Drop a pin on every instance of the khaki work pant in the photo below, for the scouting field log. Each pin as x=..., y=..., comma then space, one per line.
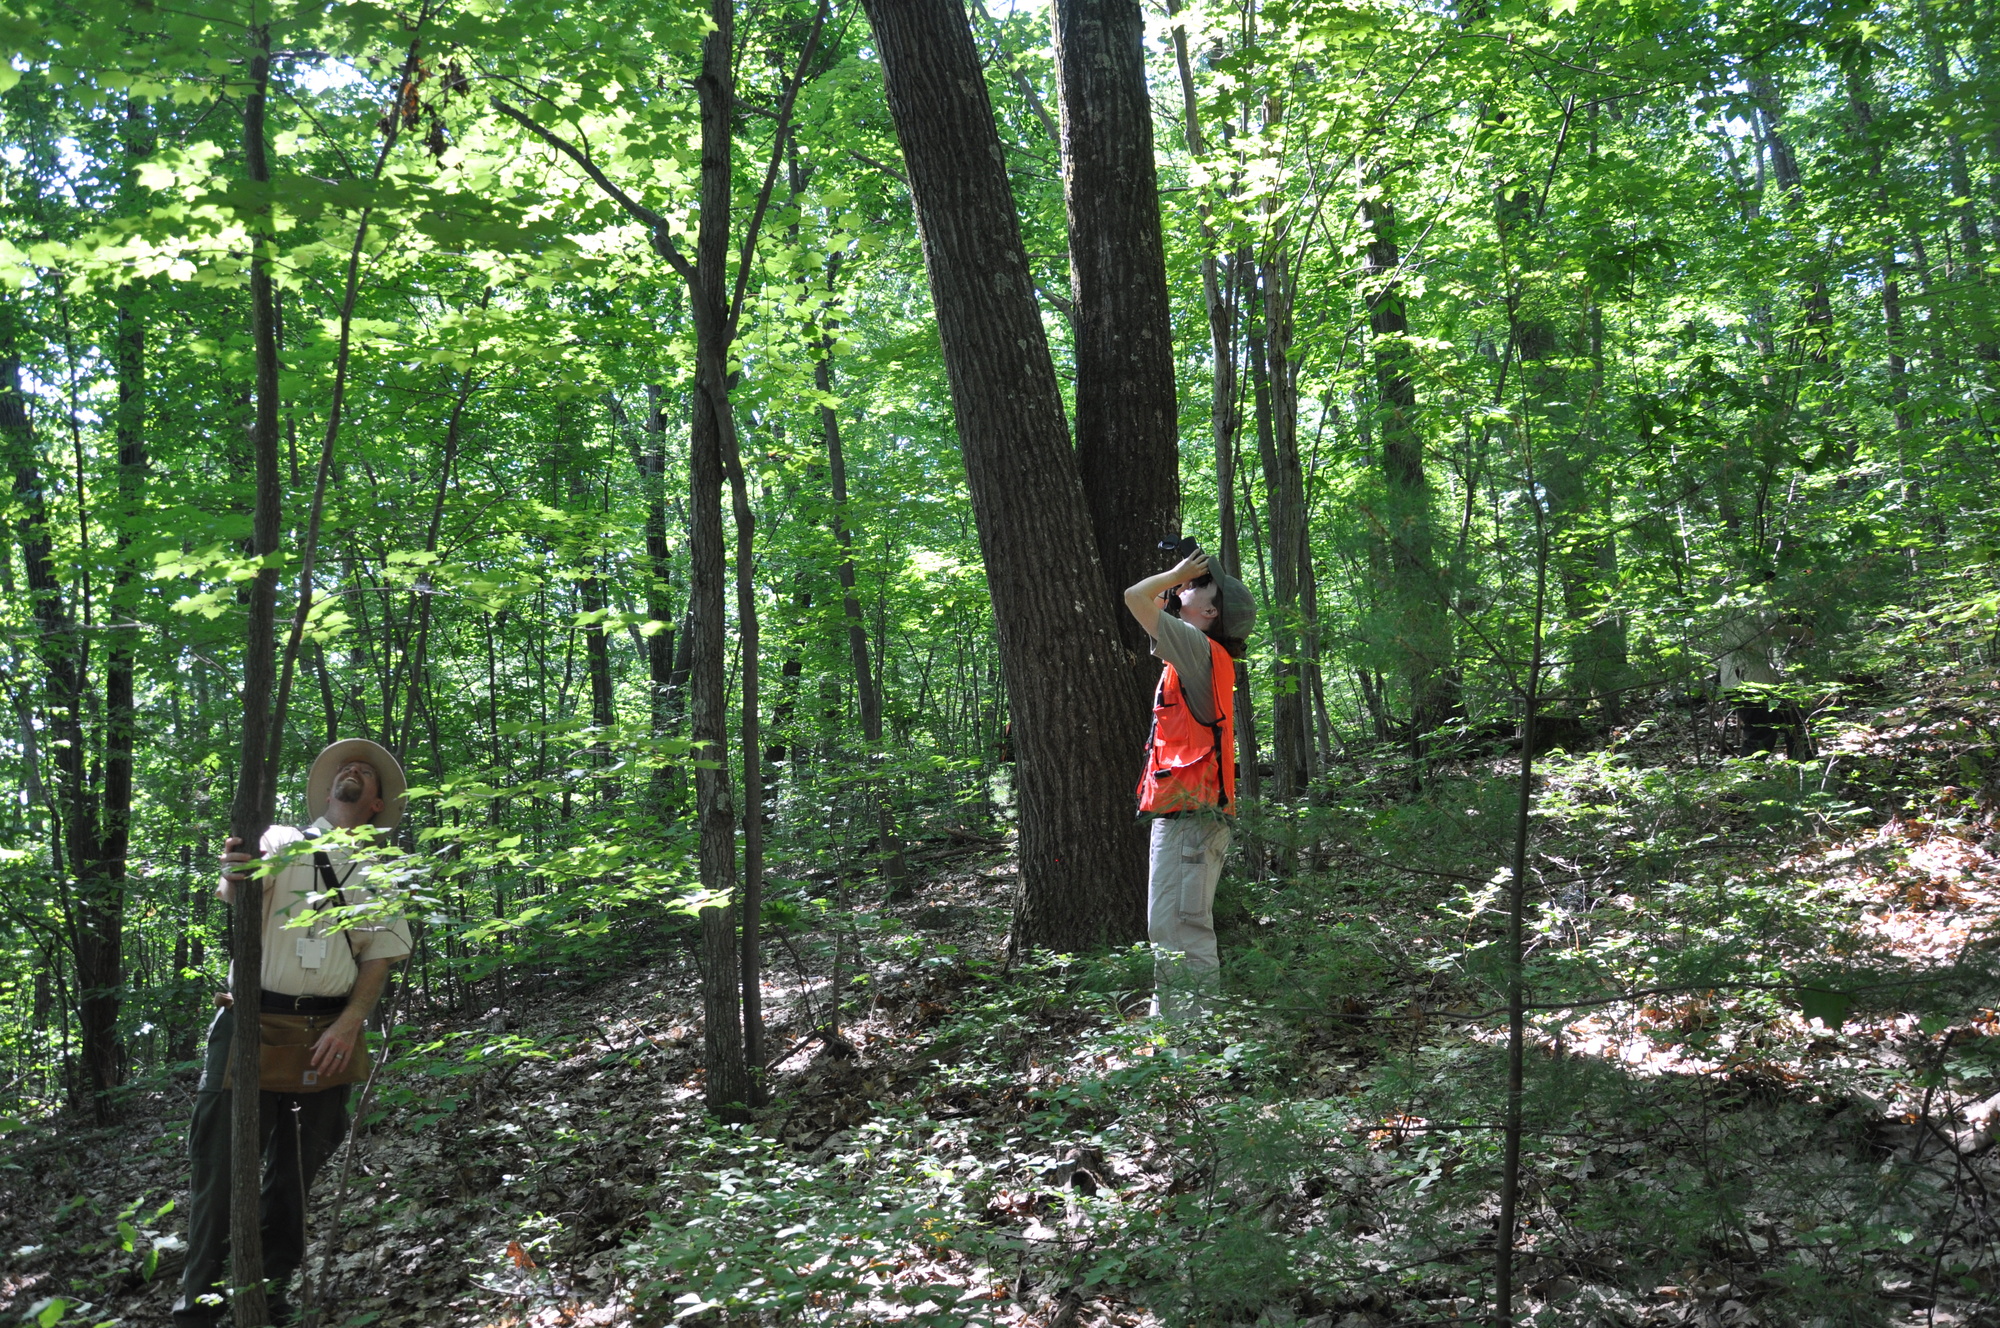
x=1180, y=911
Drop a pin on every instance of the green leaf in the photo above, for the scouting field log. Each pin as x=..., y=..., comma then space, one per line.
x=1829, y=1007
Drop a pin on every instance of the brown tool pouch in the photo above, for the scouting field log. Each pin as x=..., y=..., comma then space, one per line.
x=286, y=1056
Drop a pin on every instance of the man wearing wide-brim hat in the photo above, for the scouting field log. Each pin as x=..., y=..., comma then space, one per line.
x=330, y=936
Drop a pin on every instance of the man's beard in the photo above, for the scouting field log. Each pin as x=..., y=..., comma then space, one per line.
x=348, y=789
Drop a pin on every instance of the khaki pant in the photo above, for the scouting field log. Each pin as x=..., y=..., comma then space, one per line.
x=1180, y=911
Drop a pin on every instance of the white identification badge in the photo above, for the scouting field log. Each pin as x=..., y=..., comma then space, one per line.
x=312, y=951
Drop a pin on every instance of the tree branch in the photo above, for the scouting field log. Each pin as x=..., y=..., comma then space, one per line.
x=656, y=225
x=785, y=104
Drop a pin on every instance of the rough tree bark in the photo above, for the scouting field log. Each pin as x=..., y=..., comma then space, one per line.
x=120, y=705
x=1127, y=426
x=750, y=738
x=1068, y=690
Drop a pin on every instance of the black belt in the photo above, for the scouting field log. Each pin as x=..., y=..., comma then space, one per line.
x=277, y=1002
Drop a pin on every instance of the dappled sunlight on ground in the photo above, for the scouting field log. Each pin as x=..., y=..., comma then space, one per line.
x=1921, y=891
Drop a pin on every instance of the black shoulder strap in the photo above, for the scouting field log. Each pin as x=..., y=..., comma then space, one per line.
x=335, y=886
x=1221, y=663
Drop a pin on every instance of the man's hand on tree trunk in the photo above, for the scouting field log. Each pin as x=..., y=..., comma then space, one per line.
x=232, y=860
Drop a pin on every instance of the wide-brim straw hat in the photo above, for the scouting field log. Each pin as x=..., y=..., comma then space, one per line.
x=388, y=772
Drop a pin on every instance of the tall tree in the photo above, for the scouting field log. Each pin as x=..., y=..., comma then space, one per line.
x=1068, y=691
x=1127, y=416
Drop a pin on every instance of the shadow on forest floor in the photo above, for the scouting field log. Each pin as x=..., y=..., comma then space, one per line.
x=1795, y=1126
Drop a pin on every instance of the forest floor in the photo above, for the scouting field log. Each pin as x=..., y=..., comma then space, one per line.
x=1764, y=1088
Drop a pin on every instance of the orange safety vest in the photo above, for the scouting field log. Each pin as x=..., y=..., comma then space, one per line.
x=1191, y=766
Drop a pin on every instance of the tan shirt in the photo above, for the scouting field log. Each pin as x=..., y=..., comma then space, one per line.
x=312, y=959
x=1185, y=646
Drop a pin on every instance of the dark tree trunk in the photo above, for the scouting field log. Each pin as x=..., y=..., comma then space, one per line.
x=250, y=809
x=752, y=745
x=729, y=1087
x=1068, y=688
x=596, y=640
x=120, y=710
x=1127, y=418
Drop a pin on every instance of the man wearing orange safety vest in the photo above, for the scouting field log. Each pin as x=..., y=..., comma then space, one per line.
x=1198, y=618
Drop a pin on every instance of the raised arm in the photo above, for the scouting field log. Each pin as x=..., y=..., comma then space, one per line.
x=1146, y=598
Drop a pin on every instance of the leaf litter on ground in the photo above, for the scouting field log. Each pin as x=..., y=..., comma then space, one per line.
x=1020, y=1146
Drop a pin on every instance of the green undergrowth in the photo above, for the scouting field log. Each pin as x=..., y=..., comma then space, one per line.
x=1741, y=1097
x=1242, y=1165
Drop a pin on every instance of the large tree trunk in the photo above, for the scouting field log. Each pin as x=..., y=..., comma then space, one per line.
x=1127, y=427
x=1068, y=688
x=250, y=809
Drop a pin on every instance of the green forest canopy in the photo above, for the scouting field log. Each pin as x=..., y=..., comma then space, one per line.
x=1692, y=301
